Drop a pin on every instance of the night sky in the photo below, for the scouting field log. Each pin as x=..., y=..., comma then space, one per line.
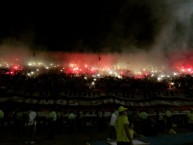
x=90, y=25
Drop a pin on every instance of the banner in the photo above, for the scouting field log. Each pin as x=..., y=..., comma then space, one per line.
x=103, y=100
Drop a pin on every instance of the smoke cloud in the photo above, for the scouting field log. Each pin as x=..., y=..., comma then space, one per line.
x=148, y=33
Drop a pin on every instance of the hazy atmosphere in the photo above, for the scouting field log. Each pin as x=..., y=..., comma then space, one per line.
x=146, y=33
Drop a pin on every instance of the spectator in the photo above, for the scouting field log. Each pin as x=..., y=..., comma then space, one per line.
x=18, y=122
x=52, y=117
x=190, y=119
x=112, y=131
x=172, y=130
x=100, y=120
x=31, y=127
x=71, y=121
x=132, y=132
x=1, y=120
x=122, y=128
x=79, y=120
x=144, y=122
x=168, y=118
x=1, y=117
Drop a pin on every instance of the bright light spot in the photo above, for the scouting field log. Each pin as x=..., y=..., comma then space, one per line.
x=110, y=72
x=172, y=83
x=183, y=70
x=76, y=68
x=189, y=69
x=40, y=63
x=159, y=79
x=11, y=72
x=93, y=83
x=72, y=65
x=175, y=74
x=30, y=64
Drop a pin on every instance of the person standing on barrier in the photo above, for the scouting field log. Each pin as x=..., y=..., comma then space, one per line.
x=100, y=120
x=52, y=117
x=122, y=128
x=31, y=127
x=1, y=117
x=190, y=119
x=168, y=118
x=112, y=131
x=18, y=122
x=71, y=121
x=1, y=120
x=145, y=124
x=79, y=120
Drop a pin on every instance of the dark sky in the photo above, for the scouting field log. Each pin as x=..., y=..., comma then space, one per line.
x=83, y=25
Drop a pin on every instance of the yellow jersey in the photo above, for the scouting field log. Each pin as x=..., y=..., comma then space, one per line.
x=120, y=128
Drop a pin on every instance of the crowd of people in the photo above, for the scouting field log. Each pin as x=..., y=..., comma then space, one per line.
x=29, y=122
x=54, y=84
x=122, y=125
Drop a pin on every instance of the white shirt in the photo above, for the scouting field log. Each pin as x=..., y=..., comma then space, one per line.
x=113, y=119
x=32, y=117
